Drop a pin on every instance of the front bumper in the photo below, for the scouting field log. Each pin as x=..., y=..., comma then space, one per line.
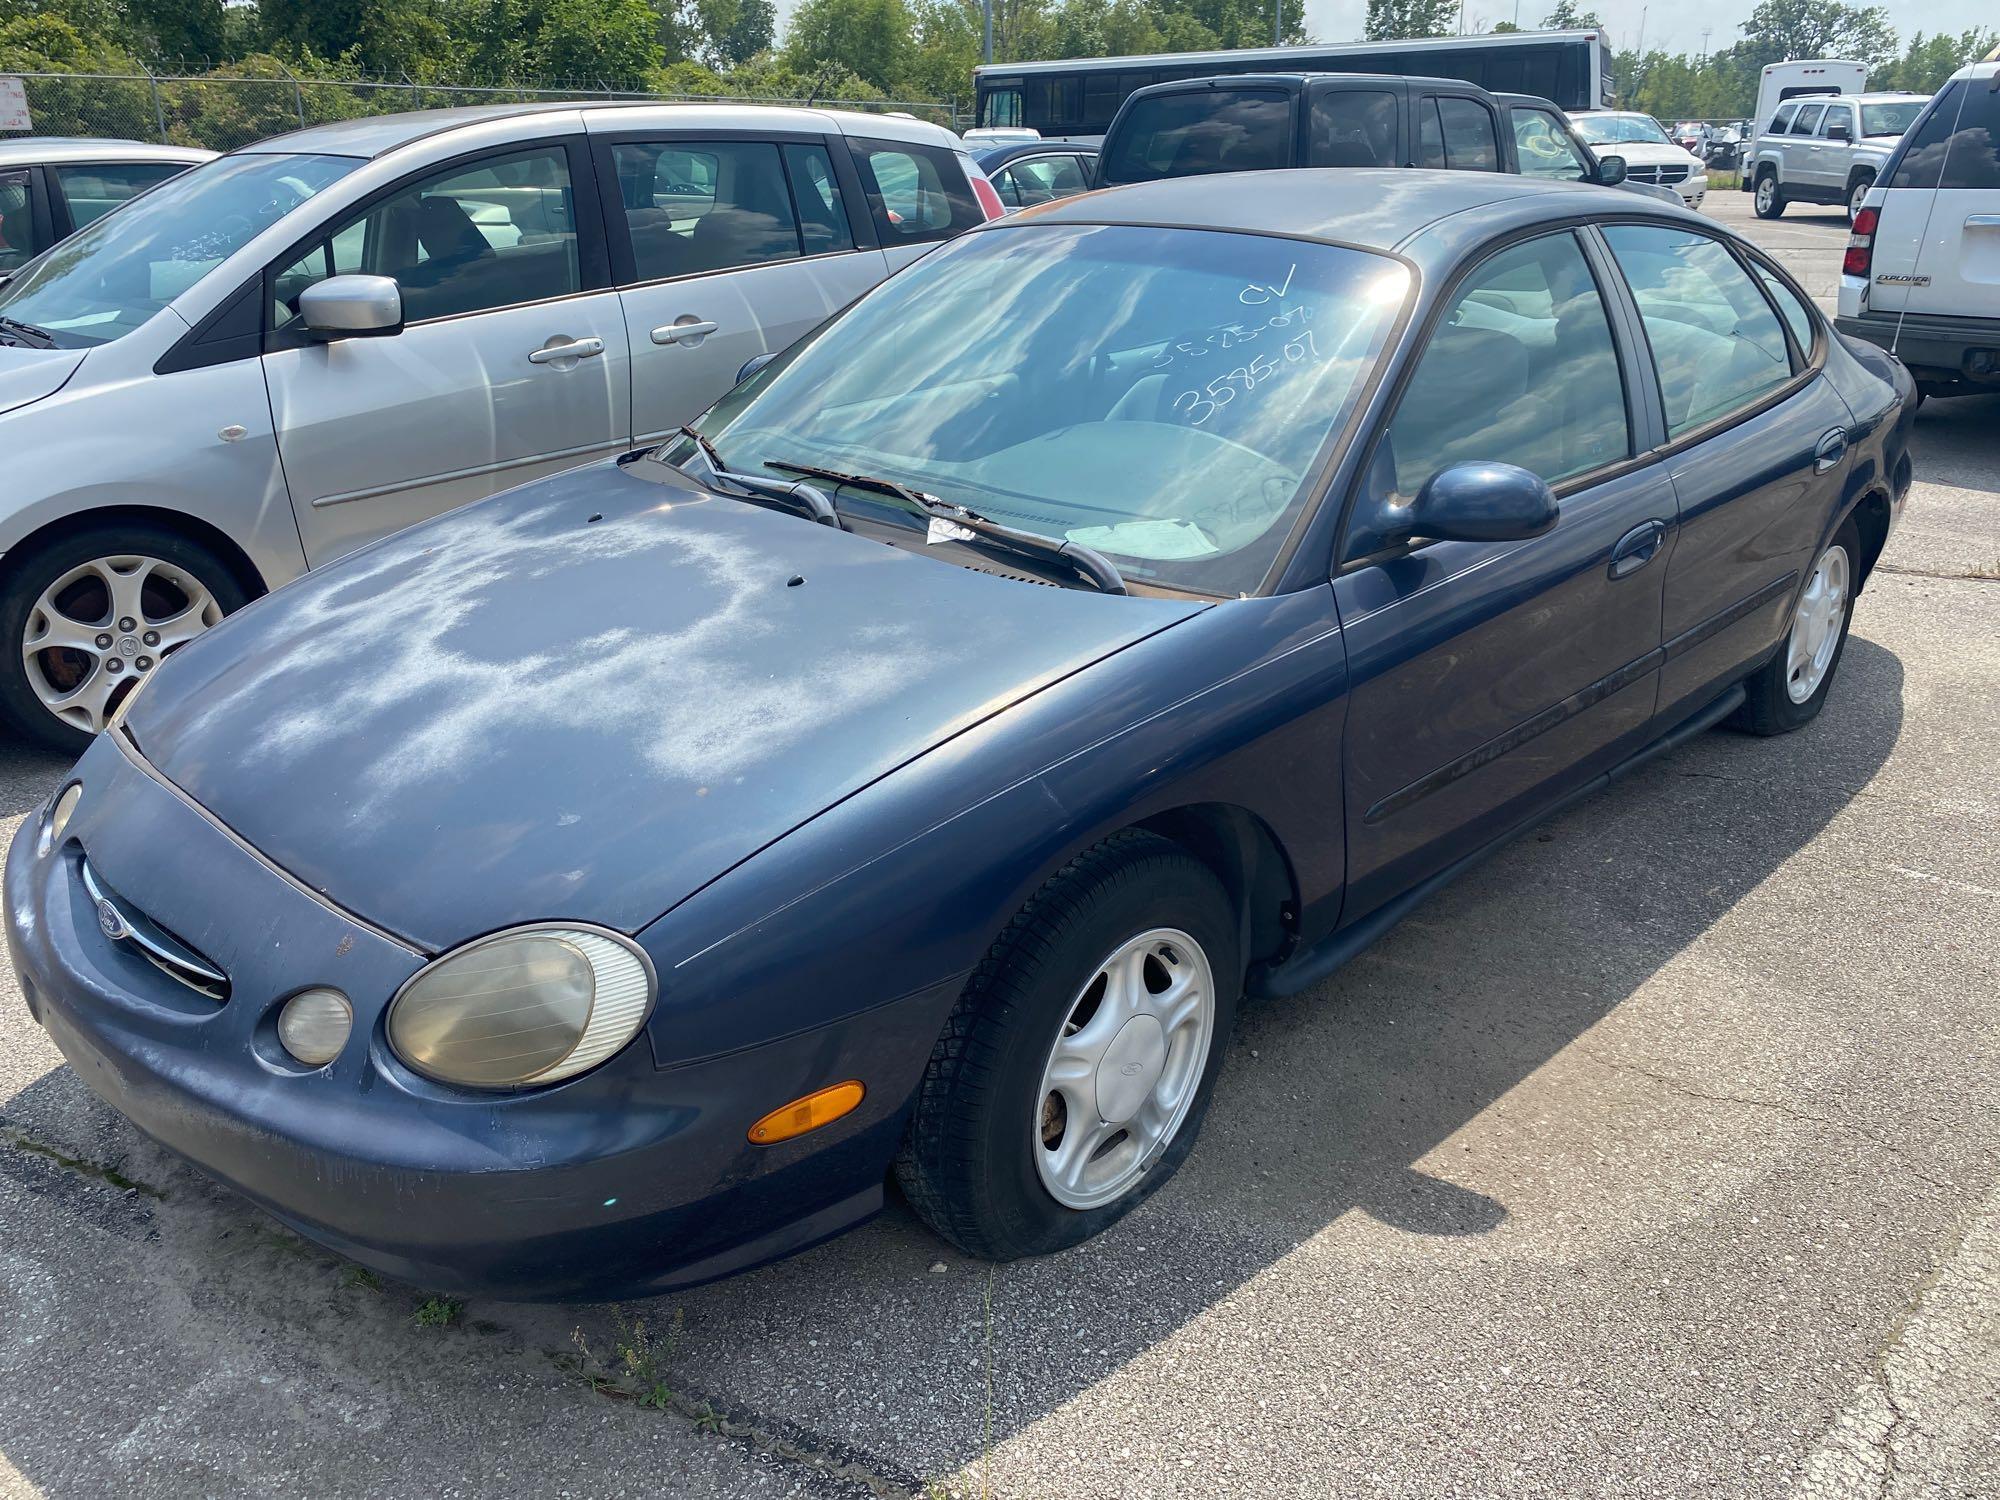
x=1940, y=349
x=630, y=1179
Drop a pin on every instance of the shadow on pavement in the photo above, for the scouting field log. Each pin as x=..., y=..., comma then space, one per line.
x=884, y=1350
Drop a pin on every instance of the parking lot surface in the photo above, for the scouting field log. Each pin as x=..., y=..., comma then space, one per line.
x=1657, y=1156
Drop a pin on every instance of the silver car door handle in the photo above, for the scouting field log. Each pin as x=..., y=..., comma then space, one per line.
x=673, y=333
x=1982, y=221
x=574, y=349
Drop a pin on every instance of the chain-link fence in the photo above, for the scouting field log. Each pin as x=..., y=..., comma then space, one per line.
x=224, y=113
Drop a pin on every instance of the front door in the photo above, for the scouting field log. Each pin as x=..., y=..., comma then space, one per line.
x=512, y=365
x=1490, y=677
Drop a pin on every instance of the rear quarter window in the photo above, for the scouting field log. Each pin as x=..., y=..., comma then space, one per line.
x=915, y=192
x=1200, y=131
x=1958, y=143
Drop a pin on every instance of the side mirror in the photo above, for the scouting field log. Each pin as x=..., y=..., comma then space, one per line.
x=1610, y=170
x=352, y=307
x=1839, y=131
x=1482, y=503
x=752, y=365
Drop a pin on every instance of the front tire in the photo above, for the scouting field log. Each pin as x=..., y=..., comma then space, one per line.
x=1788, y=691
x=1072, y=1076
x=86, y=615
x=1770, y=200
x=1857, y=191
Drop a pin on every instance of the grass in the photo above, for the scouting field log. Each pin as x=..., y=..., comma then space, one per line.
x=438, y=1312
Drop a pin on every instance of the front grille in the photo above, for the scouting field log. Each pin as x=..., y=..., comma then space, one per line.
x=128, y=928
x=1658, y=175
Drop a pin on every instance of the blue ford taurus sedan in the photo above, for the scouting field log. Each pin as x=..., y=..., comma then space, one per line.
x=1135, y=605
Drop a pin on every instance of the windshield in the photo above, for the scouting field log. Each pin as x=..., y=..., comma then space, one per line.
x=1160, y=395
x=1891, y=119
x=1606, y=130
x=101, y=284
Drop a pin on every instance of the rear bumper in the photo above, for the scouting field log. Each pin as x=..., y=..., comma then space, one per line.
x=1938, y=348
x=631, y=1179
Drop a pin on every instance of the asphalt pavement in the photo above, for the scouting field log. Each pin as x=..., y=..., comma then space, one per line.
x=1658, y=1156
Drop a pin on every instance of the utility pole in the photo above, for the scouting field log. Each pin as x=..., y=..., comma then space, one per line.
x=1641, y=48
x=1277, y=23
x=1704, y=42
x=986, y=49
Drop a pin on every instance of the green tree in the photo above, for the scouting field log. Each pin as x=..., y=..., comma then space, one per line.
x=184, y=32
x=731, y=32
x=868, y=38
x=1569, y=16
x=1929, y=60
x=1393, y=20
x=1779, y=30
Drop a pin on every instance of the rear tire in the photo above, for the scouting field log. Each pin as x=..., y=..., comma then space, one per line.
x=73, y=593
x=1770, y=200
x=1115, y=945
x=1789, y=690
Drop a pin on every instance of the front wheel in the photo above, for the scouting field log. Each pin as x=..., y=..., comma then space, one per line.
x=1770, y=200
x=1788, y=692
x=90, y=615
x=1856, y=194
x=1072, y=1076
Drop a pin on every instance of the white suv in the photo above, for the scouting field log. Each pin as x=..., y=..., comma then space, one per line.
x=1922, y=273
x=315, y=341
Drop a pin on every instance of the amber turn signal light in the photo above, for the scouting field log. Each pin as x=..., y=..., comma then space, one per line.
x=816, y=1109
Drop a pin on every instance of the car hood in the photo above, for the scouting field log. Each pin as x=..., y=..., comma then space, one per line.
x=27, y=375
x=587, y=698
x=1648, y=154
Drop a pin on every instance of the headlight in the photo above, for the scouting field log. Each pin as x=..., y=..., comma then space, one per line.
x=525, y=1007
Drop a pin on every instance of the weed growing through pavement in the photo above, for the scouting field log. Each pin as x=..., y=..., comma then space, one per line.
x=438, y=1312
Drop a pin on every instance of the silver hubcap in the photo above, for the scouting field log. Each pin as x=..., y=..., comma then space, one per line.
x=1816, y=625
x=1124, y=1070
x=1766, y=191
x=104, y=626
x=1854, y=202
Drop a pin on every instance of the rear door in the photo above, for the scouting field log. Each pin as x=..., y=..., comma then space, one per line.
x=1457, y=132
x=1756, y=439
x=512, y=363
x=917, y=195
x=1937, y=247
x=1800, y=145
x=1491, y=677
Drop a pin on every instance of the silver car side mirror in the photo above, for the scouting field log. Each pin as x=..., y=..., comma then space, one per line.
x=352, y=307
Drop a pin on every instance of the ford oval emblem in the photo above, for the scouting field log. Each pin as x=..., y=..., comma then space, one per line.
x=1131, y=1070
x=112, y=921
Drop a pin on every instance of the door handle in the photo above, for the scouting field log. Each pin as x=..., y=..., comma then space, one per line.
x=689, y=330
x=1831, y=450
x=554, y=353
x=1636, y=548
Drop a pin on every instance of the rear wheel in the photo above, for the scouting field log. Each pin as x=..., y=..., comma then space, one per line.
x=1072, y=1077
x=88, y=616
x=1770, y=199
x=1790, y=689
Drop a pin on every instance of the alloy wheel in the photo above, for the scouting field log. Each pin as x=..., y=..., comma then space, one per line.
x=1816, y=625
x=1854, y=198
x=1125, y=1068
x=1767, y=190
x=103, y=626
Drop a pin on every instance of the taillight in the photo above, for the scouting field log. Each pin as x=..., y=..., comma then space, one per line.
x=989, y=200
x=1861, y=244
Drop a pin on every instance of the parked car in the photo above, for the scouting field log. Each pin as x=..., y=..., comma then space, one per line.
x=1128, y=607
x=1827, y=150
x=1650, y=157
x=1025, y=173
x=1921, y=276
x=52, y=186
x=1691, y=136
x=1546, y=144
x=1723, y=150
x=309, y=344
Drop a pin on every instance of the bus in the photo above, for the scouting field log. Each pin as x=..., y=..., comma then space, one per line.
x=1078, y=96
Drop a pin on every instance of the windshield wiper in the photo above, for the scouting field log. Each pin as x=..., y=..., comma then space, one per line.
x=1086, y=561
x=800, y=499
x=28, y=333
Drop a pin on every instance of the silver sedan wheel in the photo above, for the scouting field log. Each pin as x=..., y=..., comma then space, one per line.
x=103, y=626
x=1816, y=625
x=1125, y=1068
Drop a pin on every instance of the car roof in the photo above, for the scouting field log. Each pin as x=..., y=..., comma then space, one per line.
x=376, y=135
x=1373, y=208
x=47, y=150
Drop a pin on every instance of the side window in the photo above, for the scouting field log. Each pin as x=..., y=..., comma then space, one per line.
x=1041, y=179
x=823, y=226
x=1469, y=142
x=696, y=206
x=17, y=222
x=1795, y=312
x=1715, y=341
x=1354, y=128
x=1522, y=371
x=1545, y=148
x=1837, y=115
x=92, y=192
x=1782, y=120
x=919, y=192
x=1958, y=143
x=1188, y=134
x=471, y=239
x=1807, y=119
x=1430, y=134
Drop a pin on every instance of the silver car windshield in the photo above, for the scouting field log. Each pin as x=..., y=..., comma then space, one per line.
x=1161, y=395
x=112, y=277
